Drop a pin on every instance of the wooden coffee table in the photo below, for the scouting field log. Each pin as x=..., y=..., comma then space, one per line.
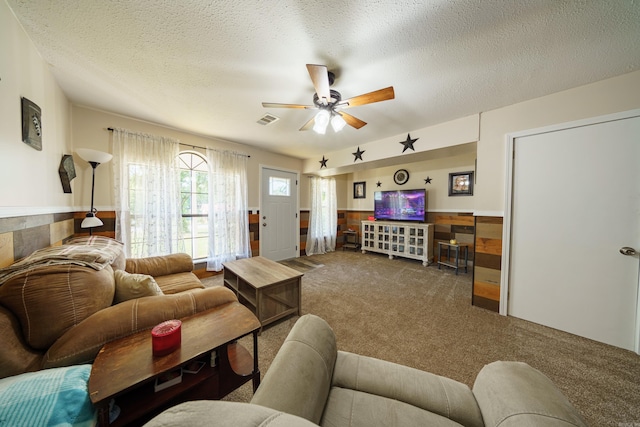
x=271, y=290
x=125, y=369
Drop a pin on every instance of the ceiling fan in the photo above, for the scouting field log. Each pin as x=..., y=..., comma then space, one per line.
x=331, y=104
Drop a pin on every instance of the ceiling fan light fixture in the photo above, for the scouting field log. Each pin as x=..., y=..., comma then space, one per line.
x=321, y=121
x=337, y=122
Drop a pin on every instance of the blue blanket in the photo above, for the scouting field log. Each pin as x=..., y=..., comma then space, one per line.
x=52, y=397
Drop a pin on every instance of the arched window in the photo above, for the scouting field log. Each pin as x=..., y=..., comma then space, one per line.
x=194, y=193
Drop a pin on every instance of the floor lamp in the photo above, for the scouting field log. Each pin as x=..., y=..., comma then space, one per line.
x=94, y=158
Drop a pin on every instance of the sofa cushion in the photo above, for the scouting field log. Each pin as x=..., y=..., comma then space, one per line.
x=15, y=356
x=53, y=397
x=216, y=413
x=299, y=378
x=49, y=300
x=397, y=383
x=160, y=265
x=173, y=273
x=515, y=394
x=82, y=343
x=132, y=285
x=346, y=407
x=178, y=282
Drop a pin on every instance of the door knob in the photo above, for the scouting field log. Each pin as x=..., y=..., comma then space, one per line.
x=626, y=250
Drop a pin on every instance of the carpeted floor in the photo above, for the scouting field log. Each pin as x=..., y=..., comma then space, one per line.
x=422, y=317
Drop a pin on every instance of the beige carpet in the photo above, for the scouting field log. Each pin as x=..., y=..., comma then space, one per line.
x=400, y=311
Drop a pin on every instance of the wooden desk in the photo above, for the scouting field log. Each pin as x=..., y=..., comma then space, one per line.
x=271, y=290
x=126, y=369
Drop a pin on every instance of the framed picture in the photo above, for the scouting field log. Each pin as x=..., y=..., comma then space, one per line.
x=31, y=124
x=359, y=190
x=461, y=183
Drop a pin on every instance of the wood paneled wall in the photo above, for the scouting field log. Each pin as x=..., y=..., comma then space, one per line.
x=459, y=226
x=487, y=267
x=20, y=236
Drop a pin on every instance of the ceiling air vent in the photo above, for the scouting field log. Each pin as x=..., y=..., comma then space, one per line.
x=267, y=119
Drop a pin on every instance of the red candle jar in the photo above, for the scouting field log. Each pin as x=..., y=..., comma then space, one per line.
x=166, y=337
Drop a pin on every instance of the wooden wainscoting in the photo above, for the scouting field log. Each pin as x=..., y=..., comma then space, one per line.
x=459, y=226
x=487, y=267
x=21, y=236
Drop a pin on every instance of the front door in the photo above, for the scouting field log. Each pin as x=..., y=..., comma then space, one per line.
x=575, y=205
x=278, y=214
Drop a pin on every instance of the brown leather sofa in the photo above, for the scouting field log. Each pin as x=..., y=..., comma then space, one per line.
x=60, y=312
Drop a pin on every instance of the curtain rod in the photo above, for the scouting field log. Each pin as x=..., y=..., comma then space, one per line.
x=193, y=146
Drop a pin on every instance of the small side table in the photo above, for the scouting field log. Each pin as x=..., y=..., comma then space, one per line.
x=457, y=248
x=350, y=240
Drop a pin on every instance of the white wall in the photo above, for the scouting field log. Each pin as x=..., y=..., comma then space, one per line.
x=489, y=129
x=605, y=97
x=30, y=183
x=438, y=170
x=90, y=131
x=389, y=150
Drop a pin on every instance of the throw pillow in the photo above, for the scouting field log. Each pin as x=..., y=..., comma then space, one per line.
x=130, y=286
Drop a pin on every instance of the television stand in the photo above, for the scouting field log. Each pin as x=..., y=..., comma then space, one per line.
x=403, y=239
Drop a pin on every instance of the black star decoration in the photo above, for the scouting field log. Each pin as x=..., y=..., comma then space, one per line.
x=427, y=180
x=378, y=184
x=323, y=162
x=408, y=143
x=358, y=154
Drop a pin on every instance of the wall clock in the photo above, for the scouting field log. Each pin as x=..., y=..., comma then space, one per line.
x=401, y=176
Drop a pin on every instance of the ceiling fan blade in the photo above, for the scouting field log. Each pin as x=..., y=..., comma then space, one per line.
x=369, y=98
x=320, y=78
x=275, y=105
x=309, y=124
x=352, y=121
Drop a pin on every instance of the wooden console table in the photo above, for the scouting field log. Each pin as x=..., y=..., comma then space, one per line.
x=125, y=369
x=271, y=290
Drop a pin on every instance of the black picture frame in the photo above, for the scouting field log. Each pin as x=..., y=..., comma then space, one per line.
x=360, y=190
x=461, y=183
x=31, y=124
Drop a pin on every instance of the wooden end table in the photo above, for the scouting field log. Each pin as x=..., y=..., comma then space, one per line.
x=271, y=290
x=125, y=369
x=457, y=249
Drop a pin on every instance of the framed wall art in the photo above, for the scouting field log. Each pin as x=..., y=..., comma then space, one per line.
x=360, y=190
x=67, y=171
x=31, y=124
x=461, y=183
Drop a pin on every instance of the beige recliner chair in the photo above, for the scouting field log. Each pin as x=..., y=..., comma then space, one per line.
x=310, y=382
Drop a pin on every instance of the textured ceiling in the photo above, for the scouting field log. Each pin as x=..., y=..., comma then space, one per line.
x=205, y=66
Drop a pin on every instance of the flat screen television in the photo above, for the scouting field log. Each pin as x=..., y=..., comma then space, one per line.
x=400, y=205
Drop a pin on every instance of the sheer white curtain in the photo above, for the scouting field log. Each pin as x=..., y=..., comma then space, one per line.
x=323, y=218
x=147, y=193
x=228, y=211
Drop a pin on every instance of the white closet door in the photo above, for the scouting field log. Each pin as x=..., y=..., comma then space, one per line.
x=575, y=204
